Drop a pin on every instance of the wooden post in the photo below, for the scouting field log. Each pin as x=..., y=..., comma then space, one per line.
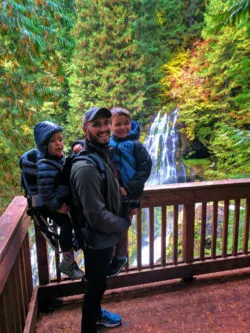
x=175, y=232
x=151, y=236
x=246, y=227
x=42, y=258
x=138, y=236
x=188, y=233
x=163, y=235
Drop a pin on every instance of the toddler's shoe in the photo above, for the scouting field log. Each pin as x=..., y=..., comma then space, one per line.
x=71, y=269
x=116, y=266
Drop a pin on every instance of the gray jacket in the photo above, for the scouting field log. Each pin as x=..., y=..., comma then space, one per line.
x=97, y=204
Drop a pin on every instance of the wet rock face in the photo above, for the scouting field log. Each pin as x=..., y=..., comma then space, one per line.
x=194, y=149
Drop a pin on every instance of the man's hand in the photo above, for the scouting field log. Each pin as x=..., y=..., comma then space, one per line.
x=132, y=212
x=123, y=191
x=64, y=209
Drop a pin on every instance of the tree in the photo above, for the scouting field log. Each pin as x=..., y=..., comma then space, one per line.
x=31, y=77
x=106, y=62
x=231, y=150
x=163, y=27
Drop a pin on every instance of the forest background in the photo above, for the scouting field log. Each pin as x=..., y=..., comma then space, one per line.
x=60, y=57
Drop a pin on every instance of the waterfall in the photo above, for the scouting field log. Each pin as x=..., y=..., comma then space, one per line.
x=163, y=145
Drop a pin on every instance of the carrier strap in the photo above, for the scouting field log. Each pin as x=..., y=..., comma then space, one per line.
x=94, y=159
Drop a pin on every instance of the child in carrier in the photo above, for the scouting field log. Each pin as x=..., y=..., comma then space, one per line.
x=133, y=165
x=53, y=195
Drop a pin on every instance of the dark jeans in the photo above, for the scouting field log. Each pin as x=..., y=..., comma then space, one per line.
x=96, y=267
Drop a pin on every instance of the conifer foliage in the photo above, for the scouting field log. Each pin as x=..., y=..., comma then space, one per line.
x=106, y=66
x=163, y=27
x=31, y=77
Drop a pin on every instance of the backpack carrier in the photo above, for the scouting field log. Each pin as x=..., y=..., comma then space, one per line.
x=28, y=166
x=29, y=184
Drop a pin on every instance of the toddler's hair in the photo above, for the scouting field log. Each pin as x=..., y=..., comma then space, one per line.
x=119, y=111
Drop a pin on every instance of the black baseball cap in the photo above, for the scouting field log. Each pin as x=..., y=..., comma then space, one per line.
x=95, y=112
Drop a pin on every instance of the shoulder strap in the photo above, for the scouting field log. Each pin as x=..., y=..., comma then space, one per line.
x=98, y=162
x=94, y=159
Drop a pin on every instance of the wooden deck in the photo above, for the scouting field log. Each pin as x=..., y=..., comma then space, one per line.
x=215, y=303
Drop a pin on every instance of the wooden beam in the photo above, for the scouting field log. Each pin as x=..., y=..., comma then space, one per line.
x=14, y=225
x=188, y=193
x=188, y=233
x=30, y=322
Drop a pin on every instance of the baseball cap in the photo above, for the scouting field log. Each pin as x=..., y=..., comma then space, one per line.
x=95, y=112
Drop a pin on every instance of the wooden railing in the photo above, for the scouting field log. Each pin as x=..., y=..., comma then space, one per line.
x=15, y=269
x=203, y=216
x=202, y=227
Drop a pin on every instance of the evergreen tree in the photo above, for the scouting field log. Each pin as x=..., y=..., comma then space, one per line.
x=229, y=64
x=30, y=78
x=163, y=27
x=106, y=62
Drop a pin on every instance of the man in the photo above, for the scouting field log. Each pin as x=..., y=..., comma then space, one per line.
x=97, y=214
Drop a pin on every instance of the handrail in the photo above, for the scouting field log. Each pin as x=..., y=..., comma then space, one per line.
x=15, y=273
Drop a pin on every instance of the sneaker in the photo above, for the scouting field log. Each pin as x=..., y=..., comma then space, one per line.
x=116, y=266
x=72, y=270
x=109, y=319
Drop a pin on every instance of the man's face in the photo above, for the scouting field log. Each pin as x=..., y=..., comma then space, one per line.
x=98, y=130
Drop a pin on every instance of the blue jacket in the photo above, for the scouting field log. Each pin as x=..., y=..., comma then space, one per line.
x=132, y=161
x=52, y=193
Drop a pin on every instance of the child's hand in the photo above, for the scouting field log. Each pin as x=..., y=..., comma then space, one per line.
x=63, y=209
x=123, y=191
x=132, y=212
x=77, y=148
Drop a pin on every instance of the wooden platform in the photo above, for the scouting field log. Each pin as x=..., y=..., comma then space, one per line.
x=215, y=303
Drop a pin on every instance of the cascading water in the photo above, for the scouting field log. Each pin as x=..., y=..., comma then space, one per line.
x=163, y=146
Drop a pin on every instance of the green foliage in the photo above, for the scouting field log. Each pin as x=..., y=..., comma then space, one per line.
x=210, y=85
x=106, y=62
x=231, y=149
x=132, y=245
x=162, y=28
x=183, y=85
x=31, y=77
x=230, y=12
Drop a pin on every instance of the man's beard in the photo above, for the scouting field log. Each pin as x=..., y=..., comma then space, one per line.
x=93, y=139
